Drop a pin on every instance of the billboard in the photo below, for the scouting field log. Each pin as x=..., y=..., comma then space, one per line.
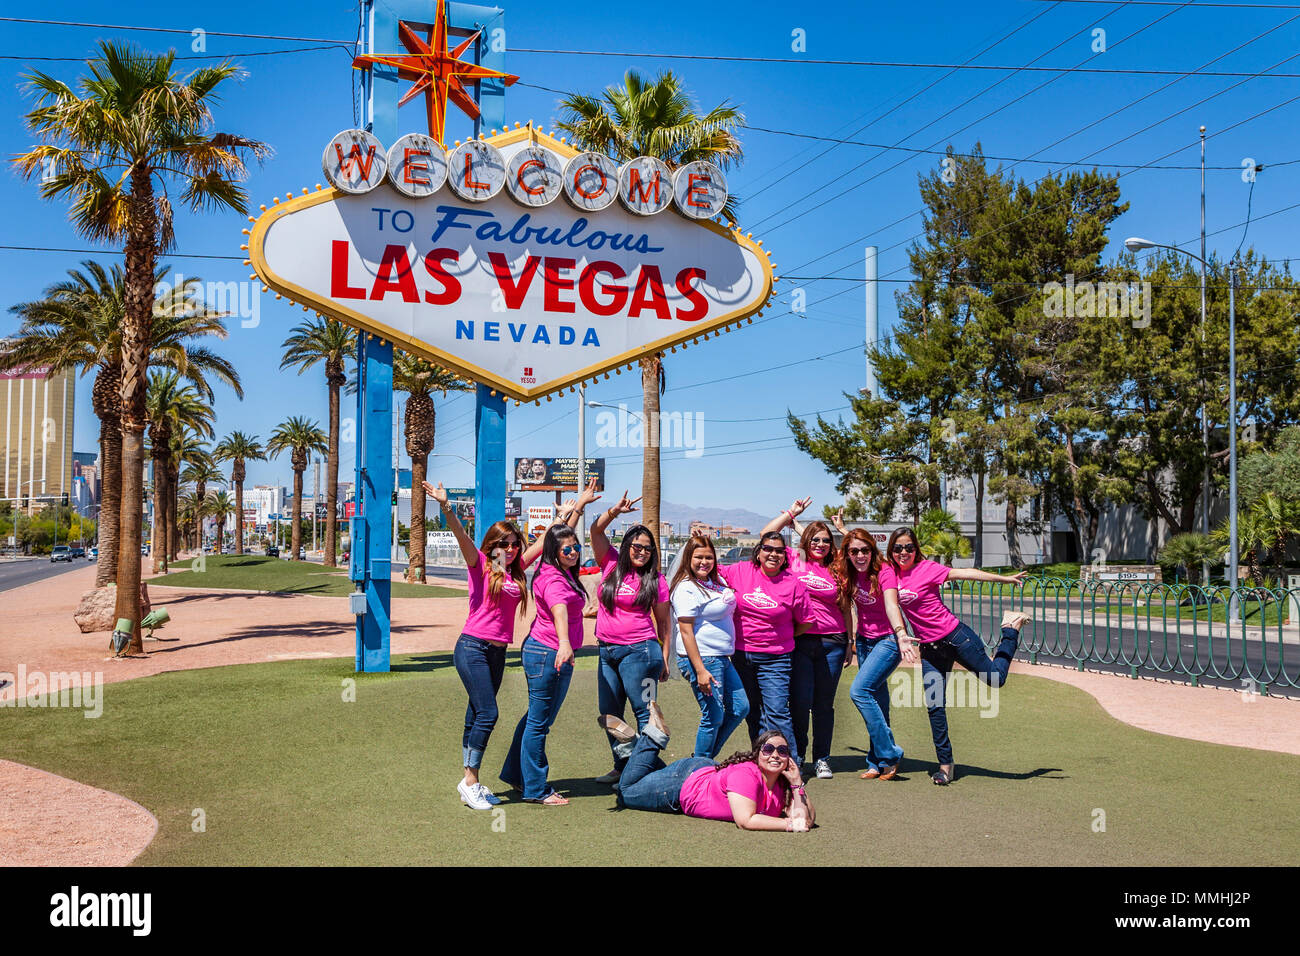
x=490, y=273
x=556, y=474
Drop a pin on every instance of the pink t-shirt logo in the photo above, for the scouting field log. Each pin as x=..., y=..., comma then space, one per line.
x=905, y=596
x=816, y=582
x=628, y=589
x=863, y=597
x=510, y=587
x=756, y=598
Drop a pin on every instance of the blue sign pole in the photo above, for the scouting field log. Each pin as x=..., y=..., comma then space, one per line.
x=372, y=530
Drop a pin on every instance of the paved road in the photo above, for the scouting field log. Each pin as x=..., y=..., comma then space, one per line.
x=14, y=574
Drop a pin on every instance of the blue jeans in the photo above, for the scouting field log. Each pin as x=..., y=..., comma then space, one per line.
x=766, y=679
x=525, y=767
x=646, y=784
x=481, y=665
x=814, y=677
x=877, y=658
x=963, y=646
x=721, y=711
x=629, y=673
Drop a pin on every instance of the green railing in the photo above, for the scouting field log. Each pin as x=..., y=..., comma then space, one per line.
x=1245, y=636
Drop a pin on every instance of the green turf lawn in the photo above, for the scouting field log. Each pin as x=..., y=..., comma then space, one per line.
x=288, y=773
x=260, y=573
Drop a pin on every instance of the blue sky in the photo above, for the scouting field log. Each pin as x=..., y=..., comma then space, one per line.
x=815, y=207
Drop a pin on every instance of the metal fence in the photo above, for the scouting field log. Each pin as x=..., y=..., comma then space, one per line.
x=1244, y=637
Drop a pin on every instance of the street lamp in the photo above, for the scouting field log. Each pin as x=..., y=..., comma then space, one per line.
x=1134, y=244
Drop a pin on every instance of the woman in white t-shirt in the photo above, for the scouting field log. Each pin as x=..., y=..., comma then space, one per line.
x=706, y=638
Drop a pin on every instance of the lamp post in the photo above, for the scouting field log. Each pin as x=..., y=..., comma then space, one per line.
x=1133, y=245
x=582, y=457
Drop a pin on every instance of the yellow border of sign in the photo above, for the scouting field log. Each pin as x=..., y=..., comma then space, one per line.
x=309, y=302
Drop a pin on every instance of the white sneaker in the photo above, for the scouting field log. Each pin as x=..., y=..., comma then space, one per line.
x=471, y=796
x=488, y=795
x=823, y=769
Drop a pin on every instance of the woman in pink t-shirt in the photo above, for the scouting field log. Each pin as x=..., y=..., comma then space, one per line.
x=631, y=624
x=824, y=650
x=760, y=789
x=772, y=608
x=943, y=639
x=497, y=595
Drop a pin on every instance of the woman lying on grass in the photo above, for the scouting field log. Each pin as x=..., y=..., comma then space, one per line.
x=757, y=790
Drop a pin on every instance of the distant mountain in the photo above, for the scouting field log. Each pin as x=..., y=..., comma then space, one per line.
x=681, y=516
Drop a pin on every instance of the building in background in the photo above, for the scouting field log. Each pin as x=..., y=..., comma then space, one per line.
x=261, y=501
x=36, y=427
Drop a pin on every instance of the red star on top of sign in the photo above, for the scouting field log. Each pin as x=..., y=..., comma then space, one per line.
x=438, y=71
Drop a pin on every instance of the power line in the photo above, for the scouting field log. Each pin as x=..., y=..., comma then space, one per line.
x=211, y=33
x=204, y=56
x=889, y=63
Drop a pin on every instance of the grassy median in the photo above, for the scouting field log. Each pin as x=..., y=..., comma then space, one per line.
x=260, y=573
x=287, y=771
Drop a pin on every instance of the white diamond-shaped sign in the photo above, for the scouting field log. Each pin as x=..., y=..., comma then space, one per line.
x=527, y=300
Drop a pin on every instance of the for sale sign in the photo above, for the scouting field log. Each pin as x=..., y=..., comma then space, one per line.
x=515, y=259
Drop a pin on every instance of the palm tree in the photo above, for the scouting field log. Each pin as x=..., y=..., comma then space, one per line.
x=135, y=123
x=218, y=506
x=78, y=322
x=330, y=342
x=201, y=471
x=238, y=448
x=419, y=379
x=300, y=438
x=653, y=119
x=172, y=408
x=191, y=508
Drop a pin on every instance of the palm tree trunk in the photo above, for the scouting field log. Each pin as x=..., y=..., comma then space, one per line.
x=158, y=539
x=136, y=329
x=650, y=454
x=173, y=506
x=128, y=551
x=297, y=513
x=332, y=482
x=110, y=501
x=415, y=546
x=239, y=517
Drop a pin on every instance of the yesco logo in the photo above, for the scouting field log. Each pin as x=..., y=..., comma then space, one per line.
x=816, y=582
x=756, y=598
x=75, y=909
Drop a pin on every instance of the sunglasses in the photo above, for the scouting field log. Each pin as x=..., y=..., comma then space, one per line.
x=859, y=551
x=779, y=749
x=904, y=548
x=640, y=548
x=571, y=549
x=768, y=549
x=821, y=541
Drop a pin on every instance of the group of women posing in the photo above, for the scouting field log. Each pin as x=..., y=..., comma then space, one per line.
x=763, y=640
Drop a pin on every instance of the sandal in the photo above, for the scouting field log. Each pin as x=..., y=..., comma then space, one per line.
x=552, y=799
x=871, y=773
x=888, y=773
x=940, y=779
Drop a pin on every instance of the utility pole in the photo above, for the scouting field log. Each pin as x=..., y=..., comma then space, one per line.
x=582, y=457
x=1205, y=421
x=315, y=497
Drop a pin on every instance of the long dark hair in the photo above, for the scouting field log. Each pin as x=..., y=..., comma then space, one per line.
x=846, y=574
x=757, y=556
x=751, y=756
x=889, y=548
x=556, y=535
x=647, y=595
x=805, y=542
x=491, y=542
x=684, y=572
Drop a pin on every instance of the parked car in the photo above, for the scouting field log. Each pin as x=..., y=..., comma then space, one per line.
x=94, y=554
x=730, y=556
x=589, y=567
x=61, y=552
x=272, y=551
x=78, y=552
x=302, y=553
